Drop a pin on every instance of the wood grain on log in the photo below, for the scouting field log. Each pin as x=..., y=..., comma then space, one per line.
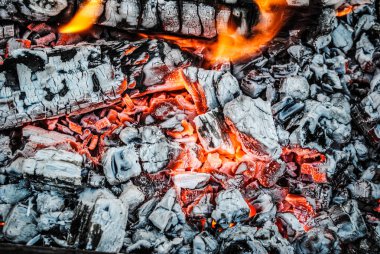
x=44, y=83
x=200, y=18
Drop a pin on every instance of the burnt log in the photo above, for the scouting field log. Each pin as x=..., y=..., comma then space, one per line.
x=44, y=83
x=204, y=18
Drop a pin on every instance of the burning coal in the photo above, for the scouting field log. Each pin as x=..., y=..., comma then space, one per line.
x=190, y=126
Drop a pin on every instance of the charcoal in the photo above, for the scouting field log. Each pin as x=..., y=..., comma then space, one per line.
x=129, y=134
x=265, y=209
x=364, y=190
x=38, y=137
x=241, y=239
x=21, y=224
x=4, y=211
x=254, y=83
x=99, y=221
x=252, y=119
x=34, y=10
x=203, y=208
x=272, y=240
x=296, y=87
x=79, y=78
x=191, y=180
x=332, y=120
x=60, y=221
x=6, y=152
x=51, y=168
x=212, y=132
x=144, y=211
x=293, y=228
x=49, y=202
x=155, y=151
x=364, y=53
x=14, y=193
x=217, y=87
x=132, y=196
x=318, y=240
x=121, y=164
x=167, y=213
x=345, y=219
x=230, y=208
x=106, y=228
x=204, y=243
x=342, y=37
x=96, y=180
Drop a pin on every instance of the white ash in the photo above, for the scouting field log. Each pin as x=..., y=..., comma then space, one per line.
x=60, y=221
x=121, y=164
x=14, y=193
x=218, y=87
x=168, y=213
x=230, y=208
x=203, y=208
x=321, y=240
x=205, y=243
x=50, y=202
x=295, y=87
x=54, y=168
x=191, y=180
x=106, y=229
x=266, y=210
x=132, y=196
x=253, y=120
x=346, y=220
x=20, y=225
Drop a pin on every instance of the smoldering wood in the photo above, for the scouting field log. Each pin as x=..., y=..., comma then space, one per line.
x=43, y=83
x=189, y=18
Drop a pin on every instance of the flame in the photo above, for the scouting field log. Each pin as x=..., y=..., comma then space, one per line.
x=233, y=46
x=344, y=11
x=230, y=44
x=84, y=18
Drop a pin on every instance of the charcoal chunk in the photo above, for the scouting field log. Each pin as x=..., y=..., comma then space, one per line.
x=212, y=132
x=121, y=164
x=230, y=208
x=21, y=224
x=253, y=122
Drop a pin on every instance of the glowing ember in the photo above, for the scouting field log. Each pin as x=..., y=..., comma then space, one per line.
x=84, y=18
x=2, y=224
x=344, y=11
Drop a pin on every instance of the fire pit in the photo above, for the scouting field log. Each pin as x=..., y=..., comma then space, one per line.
x=192, y=126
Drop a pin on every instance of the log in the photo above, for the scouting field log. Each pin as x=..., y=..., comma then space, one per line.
x=205, y=18
x=43, y=83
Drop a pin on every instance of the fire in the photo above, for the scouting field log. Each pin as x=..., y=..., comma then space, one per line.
x=84, y=18
x=2, y=223
x=344, y=11
x=233, y=46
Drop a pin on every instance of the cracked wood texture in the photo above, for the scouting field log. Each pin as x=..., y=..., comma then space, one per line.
x=199, y=18
x=44, y=83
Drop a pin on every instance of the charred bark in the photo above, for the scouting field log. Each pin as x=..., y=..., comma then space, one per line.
x=43, y=83
x=200, y=18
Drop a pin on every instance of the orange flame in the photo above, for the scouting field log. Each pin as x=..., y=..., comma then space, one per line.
x=233, y=46
x=84, y=18
x=345, y=11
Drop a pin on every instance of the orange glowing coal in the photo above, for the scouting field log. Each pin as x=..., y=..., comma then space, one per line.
x=344, y=11
x=84, y=18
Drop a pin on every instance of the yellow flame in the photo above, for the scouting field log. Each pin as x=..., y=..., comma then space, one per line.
x=233, y=46
x=84, y=18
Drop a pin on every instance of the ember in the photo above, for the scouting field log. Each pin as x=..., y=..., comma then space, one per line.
x=190, y=126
